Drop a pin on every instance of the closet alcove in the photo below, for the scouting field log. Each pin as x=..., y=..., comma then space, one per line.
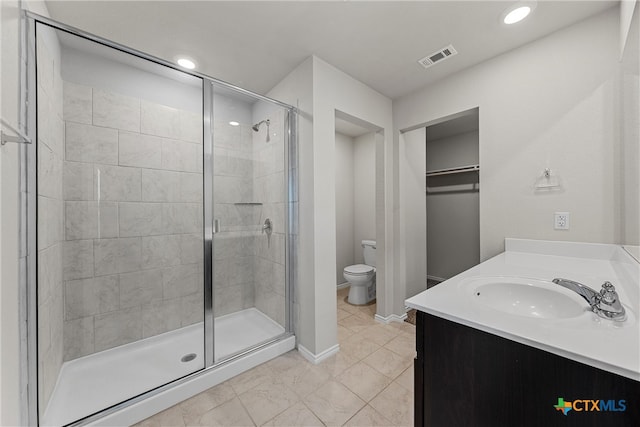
x=439, y=177
x=452, y=196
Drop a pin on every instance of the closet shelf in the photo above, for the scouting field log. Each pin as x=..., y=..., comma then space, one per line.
x=448, y=171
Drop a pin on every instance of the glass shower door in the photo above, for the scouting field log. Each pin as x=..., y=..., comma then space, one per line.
x=137, y=286
x=249, y=208
x=120, y=225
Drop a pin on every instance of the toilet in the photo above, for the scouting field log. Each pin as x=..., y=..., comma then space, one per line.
x=362, y=277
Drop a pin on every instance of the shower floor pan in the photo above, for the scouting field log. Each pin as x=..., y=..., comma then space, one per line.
x=92, y=383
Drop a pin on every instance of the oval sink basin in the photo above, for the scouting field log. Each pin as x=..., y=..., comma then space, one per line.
x=528, y=298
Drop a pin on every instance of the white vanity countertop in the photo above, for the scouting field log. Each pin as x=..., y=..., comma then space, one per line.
x=589, y=339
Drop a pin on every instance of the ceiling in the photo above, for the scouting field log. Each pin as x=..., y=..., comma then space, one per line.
x=351, y=129
x=462, y=123
x=255, y=44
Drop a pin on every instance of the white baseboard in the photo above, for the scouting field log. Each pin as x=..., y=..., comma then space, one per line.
x=391, y=318
x=439, y=279
x=317, y=358
x=343, y=285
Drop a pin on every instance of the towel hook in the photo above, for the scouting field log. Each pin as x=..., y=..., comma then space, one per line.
x=20, y=138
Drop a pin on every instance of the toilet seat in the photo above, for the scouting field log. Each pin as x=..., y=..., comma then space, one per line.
x=359, y=269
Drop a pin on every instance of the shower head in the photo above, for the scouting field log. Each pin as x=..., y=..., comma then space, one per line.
x=256, y=127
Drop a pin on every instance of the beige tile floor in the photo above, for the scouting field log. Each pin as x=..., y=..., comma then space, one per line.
x=368, y=383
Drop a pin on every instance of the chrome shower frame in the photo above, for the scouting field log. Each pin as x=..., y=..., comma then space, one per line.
x=28, y=223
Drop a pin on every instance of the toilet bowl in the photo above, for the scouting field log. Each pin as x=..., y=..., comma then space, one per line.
x=362, y=277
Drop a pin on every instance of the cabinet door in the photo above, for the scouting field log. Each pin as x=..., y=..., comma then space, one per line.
x=472, y=378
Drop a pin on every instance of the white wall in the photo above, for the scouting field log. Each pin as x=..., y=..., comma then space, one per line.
x=344, y=205
x=630, y=152
x=297, y=89
x=355, y=198
x=335, y=90
x=319, y=89
x=10, y=381
x=627, y=11
x=551, y=103
x=9, y=190
x=413, y=225
x=364, y=197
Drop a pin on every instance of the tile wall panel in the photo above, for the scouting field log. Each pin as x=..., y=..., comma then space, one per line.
x=164, y=186
x=116, y=111
x=122, y=184
x=140, y=219
x=140, y=287
x=163, y=251
x=77, y=259
x=78, y=103
x=135, y=149
x=117, y=328
x=160, y=120
x=90, y=220
x=248, y=188
x=94, y=144
x=88, y=297
x=78, y=181
x=234, y=246
x=50, y=221
x=131, y=218
x=269, y=187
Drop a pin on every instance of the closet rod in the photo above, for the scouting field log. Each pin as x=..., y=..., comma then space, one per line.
x=448, y=171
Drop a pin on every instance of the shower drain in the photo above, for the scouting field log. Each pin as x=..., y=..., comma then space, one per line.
x=188, y=357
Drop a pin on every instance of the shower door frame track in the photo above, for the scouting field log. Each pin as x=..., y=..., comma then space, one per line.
x=28, y=222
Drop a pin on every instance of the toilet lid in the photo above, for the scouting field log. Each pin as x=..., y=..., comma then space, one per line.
x=359, y=269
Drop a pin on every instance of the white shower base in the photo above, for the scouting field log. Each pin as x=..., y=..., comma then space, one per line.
x=92, y=383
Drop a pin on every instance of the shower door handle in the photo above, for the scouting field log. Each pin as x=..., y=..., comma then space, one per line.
x=216, y=226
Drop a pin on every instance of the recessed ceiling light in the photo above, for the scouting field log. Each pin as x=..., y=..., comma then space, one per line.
x=186, y=63
x=234, y=123
x=517, y=15
x=518, y=11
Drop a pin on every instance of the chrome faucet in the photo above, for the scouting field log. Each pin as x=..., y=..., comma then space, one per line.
x=605, y=303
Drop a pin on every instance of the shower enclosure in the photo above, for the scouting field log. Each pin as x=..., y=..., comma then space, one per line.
x=163, y=202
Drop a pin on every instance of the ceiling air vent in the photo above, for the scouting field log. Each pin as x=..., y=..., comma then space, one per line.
x=437, y=56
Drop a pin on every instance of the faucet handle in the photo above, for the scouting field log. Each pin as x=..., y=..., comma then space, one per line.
x=267, y=227
x=608, y=292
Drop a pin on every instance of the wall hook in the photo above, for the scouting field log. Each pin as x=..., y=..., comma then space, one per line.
x=547, y=180
x=20, y=138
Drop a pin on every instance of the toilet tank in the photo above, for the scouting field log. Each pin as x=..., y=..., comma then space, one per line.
x=369, y=251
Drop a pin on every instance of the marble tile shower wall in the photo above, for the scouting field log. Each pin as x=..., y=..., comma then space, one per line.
x=269, y=184
x=234, y=246
x=249, y=186
x=132, y=259
x=50, y=154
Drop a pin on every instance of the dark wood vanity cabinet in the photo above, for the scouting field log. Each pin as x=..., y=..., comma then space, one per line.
x=467, y=377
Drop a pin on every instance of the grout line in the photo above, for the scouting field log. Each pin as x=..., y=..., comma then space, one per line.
x=245, y=408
